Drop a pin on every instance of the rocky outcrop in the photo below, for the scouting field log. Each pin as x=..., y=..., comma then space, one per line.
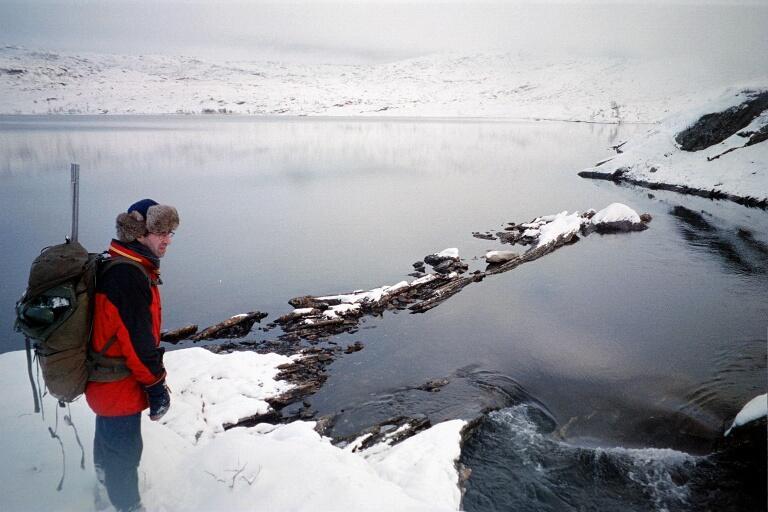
x=714, y=128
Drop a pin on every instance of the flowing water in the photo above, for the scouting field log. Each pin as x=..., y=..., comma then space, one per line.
x=612, y=364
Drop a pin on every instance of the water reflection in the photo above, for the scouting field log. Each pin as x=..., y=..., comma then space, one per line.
x=737, y=248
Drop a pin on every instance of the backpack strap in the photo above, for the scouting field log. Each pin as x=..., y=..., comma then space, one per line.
x=120, y=260
x=103, y=368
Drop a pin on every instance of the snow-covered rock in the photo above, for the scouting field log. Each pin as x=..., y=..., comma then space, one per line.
x=500, y=256
x=561, y=226
x=617, y=217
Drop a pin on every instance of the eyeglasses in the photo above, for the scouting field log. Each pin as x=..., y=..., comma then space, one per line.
x=169, y=234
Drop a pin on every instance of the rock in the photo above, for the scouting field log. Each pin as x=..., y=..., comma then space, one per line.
x=306, y=301
x=434, y=259
x=355, y=347
x=500, y=256
x=483, y=236
x=646, y=217
x=444, y=267
x=433, y=385
x=617, y=218
x=714, y=128
x=759, y=136
x=418, y=265
x=510, y=237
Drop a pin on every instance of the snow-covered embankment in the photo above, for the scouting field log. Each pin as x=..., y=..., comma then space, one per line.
x=191, y=462
x=716, y=150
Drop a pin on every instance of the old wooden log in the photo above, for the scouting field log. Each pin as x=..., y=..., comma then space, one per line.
x=176, y=335
x=234, y=327
x=454, y=286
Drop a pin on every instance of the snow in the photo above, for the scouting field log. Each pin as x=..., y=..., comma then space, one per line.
x=499, y=256
x=341, y=310
x=451, y=252
x=616, y=212
x=656, y=157
x=213, y=390
x=562, y=225
x=480, y=84
x=284, y=467
x=753, y=410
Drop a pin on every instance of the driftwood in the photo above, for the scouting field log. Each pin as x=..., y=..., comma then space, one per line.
x=237, y=326
x=441, y=294
x=179, y=334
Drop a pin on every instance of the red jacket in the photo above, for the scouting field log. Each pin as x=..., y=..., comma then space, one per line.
x=127, y=306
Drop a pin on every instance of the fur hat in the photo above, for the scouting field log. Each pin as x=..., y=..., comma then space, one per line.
x=146, y=216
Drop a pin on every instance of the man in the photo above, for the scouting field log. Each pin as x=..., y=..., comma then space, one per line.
x=125, y=341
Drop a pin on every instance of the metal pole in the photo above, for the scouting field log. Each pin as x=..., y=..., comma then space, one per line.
x=75, y=173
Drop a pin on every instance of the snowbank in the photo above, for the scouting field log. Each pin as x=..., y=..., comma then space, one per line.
x=753, y=410
x=285, y=467
x=657, y=158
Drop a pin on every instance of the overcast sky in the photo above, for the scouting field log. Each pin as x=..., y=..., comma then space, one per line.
x=368, y=31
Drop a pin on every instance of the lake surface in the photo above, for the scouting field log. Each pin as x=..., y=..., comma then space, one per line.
x=620, y=342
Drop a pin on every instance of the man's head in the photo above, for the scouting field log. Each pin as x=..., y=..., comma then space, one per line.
x=150, y=224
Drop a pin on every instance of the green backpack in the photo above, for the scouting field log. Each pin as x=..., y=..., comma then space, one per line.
x=56, y=314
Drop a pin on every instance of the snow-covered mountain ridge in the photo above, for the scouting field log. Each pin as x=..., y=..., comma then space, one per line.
x=490, y=84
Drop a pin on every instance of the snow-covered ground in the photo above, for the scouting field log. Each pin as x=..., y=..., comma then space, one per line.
x=191, y=463
x=657, y=157
x=487, y=84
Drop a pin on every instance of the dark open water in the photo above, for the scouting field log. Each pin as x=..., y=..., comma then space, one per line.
x=614, y=362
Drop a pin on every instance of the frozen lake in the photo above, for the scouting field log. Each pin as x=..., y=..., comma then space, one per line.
x=647, y=339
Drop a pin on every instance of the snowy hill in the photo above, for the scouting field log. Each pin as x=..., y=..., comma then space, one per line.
x=718, y=149
x=490, y=84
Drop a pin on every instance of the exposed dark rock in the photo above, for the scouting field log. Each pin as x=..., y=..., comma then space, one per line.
x=393, y=431
x=618, y=173
x=714, y=128
x=510, y=237
x=434, y=259
x=759, y=136
x=646, y=217
x=418, y=265
x=622, y=226
x=433, y=385
x=355, y=347
x=484, y=236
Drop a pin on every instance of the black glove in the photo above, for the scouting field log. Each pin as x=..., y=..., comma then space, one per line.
x=159, y=400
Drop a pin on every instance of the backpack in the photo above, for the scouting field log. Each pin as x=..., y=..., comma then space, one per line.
x=56, y=314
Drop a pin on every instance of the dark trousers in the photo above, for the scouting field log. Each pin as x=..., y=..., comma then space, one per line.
x=117, y=448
